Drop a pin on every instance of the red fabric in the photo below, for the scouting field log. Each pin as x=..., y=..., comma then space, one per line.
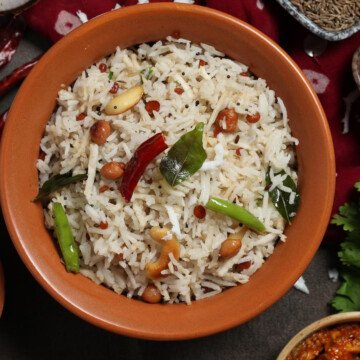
x=330, y=73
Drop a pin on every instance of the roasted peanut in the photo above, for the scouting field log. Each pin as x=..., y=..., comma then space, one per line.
x=231, y=246
x=118, y=257
x=112, y=170
x=151, y=294
x=103, y=188
x=230, y=117
x=157, y=233
x=100, y=131
x=103, y=225
x=124, y=101
x=154, y=269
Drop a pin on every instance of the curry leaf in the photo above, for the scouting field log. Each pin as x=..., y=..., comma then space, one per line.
x=281, y=198
x=185, y=157
x=55, y=183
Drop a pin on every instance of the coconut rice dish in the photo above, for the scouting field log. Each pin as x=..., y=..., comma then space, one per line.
x=167, y=172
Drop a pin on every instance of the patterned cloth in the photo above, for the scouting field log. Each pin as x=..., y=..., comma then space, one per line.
x=330, y=72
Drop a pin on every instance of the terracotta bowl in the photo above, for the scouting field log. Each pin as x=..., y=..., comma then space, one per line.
x=19, y=182
x=329, y=321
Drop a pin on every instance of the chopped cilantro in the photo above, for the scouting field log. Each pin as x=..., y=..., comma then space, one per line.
x=347, y=297
x=147, y=73
x=348, y=217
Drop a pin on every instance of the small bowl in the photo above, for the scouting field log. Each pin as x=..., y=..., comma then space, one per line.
x=316, y=29
x=323, y=323
x=33, y=106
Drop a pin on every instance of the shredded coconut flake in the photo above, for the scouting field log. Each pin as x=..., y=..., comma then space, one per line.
x=333, y=275
x=301, y=286
x=174, y=220
x=218, y=160
x=93, y=159
x=82, y=16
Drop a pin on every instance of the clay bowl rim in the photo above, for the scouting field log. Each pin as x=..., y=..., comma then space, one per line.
x=328, y=321
x=190, y=332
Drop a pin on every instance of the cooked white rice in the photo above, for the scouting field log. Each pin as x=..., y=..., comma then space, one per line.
x=200, y=272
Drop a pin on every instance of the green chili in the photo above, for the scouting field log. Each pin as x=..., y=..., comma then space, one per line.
x=236, y=212
x=65, y=238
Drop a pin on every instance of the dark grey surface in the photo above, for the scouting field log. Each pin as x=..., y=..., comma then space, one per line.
x=34, y=326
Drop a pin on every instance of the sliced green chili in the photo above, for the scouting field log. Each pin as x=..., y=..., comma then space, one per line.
x=65, y=238
x=236, y=212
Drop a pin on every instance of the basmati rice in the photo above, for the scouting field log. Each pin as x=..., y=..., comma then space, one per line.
x=117, y=256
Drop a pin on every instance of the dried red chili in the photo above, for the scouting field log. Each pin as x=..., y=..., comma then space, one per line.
x=103, y=225
x=199, y=211
x=10, y=37
x=252, y=119
x=80, y=117
x=143, y=155
x=176, y=34
x=3, y=117
x=202, y=62
x=41, y=155
x=179, y=90
x=152, y=106
x=102, y=67
x=103, y=188
x=242, y=266
x=17, y=75
x=114, y=89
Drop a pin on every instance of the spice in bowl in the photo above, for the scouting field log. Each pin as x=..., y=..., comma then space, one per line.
x=340, y=342
x=330, y=15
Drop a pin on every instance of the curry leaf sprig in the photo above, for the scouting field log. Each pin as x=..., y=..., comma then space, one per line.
x=55, y=183
x=185, y=157
x=347, y=297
